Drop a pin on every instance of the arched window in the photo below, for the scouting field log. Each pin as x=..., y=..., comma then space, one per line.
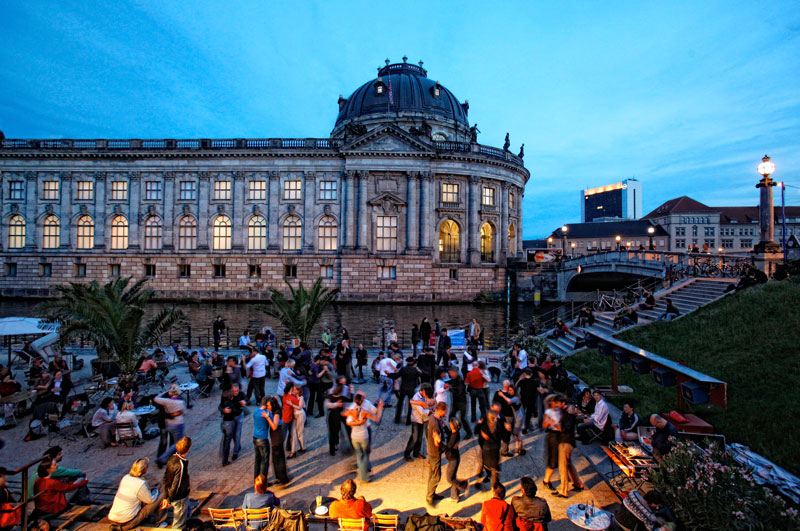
x=85, y=232
x=292, y=233
x=512, y=240
x=449, y=242
x=16, y=232
x=51, y=233
x=487, y=243
x=328, y=235
x=222, y=233
x=187, y=233
x=153, y=230
x=119, y=233
x=257, y=233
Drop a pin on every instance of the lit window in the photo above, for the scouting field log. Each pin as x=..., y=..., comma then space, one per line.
x=449, y=193
x=16, y=190
x=187, y=233
x=326, y=271
x=257, y=233
x=150, y=270
x=119, y=233
x=222, y=233
x=328, y=234
x=255, y=271
x=511, y=200
x=292, y=233
x=291, y=190
x=16, y=232
x=222, y=190
x=387, y=272
x=379, y=87
x=449, y=242
x=386, y=233
x=50, y=190
x=119, y=190
x=219, y=270
x=184, y=270
x=51, y=233
x=327, y=190
x=257, y=190
x=437, y=90
x=188, y=190
x=290, y=271
x=85, y=191
x=487, y=198
x=487, y=243
x=85, y=232
x=80, y=270
x=45, y=270
x=512, y=240
x=152, y=190
x=152, y=233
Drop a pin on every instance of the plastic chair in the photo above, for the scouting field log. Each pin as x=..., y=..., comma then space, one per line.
x=352, y=524
x=126, y=434
x=256, y=518
x=225, y=518
x=385, y=522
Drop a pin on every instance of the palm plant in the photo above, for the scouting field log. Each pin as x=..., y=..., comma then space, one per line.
x=300, y=312
x=112, y=317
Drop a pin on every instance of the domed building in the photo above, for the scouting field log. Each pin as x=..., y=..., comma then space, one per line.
x=399, y=203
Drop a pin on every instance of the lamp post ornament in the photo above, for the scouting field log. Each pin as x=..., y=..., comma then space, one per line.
x=766, y=213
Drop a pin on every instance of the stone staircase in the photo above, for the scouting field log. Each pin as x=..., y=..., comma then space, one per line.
x=688, y=296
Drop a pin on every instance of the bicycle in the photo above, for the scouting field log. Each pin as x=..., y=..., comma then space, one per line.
x=607, y=303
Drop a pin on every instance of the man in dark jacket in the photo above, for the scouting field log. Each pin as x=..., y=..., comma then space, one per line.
x=426, y=363
x=409, y=376
x=458, y=391
x=441, y=352
x=176, y=483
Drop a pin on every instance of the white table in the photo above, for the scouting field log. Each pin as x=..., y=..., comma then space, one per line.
x=598, y=521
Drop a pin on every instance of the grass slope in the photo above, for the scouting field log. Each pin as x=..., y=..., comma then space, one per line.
x=751, y=340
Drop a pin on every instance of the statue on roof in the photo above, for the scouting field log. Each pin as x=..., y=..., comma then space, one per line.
x=507, y=143
x=473, y=133
x=522, y=151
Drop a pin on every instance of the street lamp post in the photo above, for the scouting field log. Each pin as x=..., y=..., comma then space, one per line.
x=618, y=239
x=564, y=240
x=766, y=212
x=572, y=245
x=650, y=231
x=783, y=215
x=549, y=241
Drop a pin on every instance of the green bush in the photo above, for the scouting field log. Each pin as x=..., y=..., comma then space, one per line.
x=709, y=490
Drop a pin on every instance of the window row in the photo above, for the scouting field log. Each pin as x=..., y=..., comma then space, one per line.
x=450, y=242
x=450, y=194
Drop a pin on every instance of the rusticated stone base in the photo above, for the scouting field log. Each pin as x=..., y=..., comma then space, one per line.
x=417, y=277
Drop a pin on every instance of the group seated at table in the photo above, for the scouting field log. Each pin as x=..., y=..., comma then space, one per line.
x=127, y=416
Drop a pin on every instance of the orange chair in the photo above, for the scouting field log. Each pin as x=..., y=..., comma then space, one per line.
x=352, y=524
x=256, y=518
x=385, y=522
x=225, y=518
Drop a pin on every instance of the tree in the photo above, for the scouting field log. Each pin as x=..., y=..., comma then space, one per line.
x=112, y=317
x=300, y=312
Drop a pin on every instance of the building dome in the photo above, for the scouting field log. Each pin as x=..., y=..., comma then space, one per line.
x=413, y=95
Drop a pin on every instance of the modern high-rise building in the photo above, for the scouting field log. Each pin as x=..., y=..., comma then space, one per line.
x=613, y=202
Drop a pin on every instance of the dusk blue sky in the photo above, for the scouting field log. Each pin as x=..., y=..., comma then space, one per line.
x=684, y=96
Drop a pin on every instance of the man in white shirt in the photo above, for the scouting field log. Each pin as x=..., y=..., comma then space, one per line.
x=387, y=367
x=174, y=410
x=257, y=364
x=134, y=500
x=421, y=406
x=597, y=422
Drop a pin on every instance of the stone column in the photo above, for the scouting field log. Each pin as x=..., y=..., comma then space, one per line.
x=237, y=223
x=349, y=211
x=29, y=208
x=309, y=195
x=100, y=217
x=66, y=209
x=203, y=221
x=473, y=227
x=504, y=188
x=134, y=214
x=363, y=245
x=272, y=213
x=412, y=219
x=766, y=217
x=426, y=219
x=170, y=224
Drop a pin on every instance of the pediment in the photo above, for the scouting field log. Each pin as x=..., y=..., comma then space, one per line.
x=386, y=199
x=387, y=139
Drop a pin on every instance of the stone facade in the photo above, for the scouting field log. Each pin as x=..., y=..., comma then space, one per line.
x=364, y=211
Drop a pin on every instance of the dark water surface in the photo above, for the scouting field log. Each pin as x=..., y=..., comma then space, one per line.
x=366, y=323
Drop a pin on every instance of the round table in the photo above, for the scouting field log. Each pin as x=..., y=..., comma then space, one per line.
x=599, y=521
x=187, y=388
x=143, y=411
x=326, y=502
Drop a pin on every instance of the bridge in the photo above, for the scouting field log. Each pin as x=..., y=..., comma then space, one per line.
x=652, y=264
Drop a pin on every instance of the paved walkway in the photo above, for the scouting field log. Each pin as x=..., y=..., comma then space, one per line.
x=395, y=483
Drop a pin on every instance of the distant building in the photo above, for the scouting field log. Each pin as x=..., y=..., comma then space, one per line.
x=585, y=238
x=732, y=229
x=622, y=200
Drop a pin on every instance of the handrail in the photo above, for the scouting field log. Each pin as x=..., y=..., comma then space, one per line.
x=25, y=479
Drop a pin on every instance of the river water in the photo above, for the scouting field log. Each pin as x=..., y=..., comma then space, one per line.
x=365, y=323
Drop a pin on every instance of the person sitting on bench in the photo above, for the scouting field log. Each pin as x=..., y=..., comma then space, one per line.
x=49, y=492
x=135, y=501
x=595, y=424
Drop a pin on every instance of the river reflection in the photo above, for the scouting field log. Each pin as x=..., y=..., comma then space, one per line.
x=366, y=323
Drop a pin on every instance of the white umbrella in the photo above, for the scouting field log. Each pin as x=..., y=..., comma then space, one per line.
x=22, y=326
